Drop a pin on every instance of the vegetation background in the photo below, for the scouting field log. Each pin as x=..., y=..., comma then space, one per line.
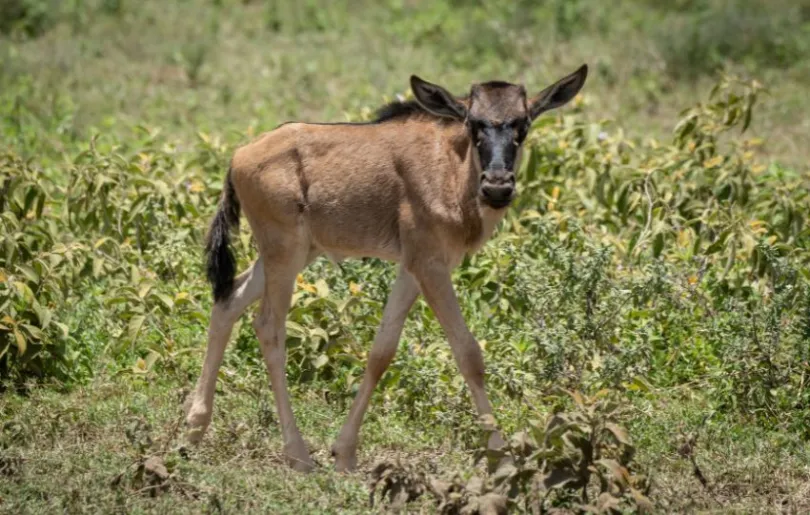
x=655, y=267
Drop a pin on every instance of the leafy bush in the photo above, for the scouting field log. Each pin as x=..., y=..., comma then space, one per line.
x=579, y=459
x=35, y=271
x=623, y=264
x=113, y=219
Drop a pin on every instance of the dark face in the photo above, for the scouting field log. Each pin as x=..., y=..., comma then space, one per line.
x=498, y=122
x=497, y=116
x=498, y=146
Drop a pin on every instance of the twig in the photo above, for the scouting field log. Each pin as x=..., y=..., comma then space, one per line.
x=648, y=225
x=687, y=450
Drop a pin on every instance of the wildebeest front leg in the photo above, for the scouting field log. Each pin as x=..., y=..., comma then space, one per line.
x=403, y=294
x=437, y=287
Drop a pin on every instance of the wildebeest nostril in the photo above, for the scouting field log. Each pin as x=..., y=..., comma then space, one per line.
x=497, y=195
x=498, y=177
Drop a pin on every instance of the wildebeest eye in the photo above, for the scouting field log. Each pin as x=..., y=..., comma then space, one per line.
x=477, y=131
x=521, y=129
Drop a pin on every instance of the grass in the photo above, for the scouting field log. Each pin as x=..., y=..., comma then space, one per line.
x=75, y=453
x=671, y=273
x=232, y=68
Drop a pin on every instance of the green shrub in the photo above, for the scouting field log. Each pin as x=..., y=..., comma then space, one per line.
x=579, y=458
x=110, y=218
x=703, y=36
x=623, y=262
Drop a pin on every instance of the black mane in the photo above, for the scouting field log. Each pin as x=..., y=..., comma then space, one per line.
x=398, y=110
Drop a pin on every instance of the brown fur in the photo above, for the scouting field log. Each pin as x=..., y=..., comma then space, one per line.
x=498, y=101
x=406, y=189
x=388, y=199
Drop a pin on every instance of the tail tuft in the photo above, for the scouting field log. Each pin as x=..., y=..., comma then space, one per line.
x=221, y=262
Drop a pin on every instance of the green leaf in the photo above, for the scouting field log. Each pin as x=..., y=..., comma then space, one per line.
x=30, y=196
x=118, y=299
x=746, y=120
x=345, y=303
x=658, y=244
x=165, y=299
x=318, y=333
x=20, y=341
x=63, y=328
x=297, y=296
x=143, y=291
x=134, y=327
x=28, y=272
x=151, y=359
x=25, y=291
x=134, y=274
x=320, y=361
x=40, y=207
x=43, y=314
x=639, y=383
x=531, y=164
x=618, y=432
x=98, y=266
x=101, y=241
x=577, y=398
x=33, y=331
x=296, y=330
x=322, y=288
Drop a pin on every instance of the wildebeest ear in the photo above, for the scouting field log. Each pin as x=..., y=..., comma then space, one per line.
x=436, y=99
x=559, y=93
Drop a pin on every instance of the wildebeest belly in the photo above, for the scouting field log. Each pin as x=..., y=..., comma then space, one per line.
x=358, y=220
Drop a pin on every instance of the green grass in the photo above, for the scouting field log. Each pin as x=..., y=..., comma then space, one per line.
x=226, y=67
x=68, y=450
x=663, y=263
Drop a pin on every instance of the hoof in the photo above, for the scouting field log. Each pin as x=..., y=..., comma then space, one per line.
x=303, y=466
x=194, y=435
x=297, y=457
x=345, y=458
x=197, y=422
x=495, y=441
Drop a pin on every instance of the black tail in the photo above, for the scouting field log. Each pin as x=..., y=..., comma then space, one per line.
x=221, y=265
